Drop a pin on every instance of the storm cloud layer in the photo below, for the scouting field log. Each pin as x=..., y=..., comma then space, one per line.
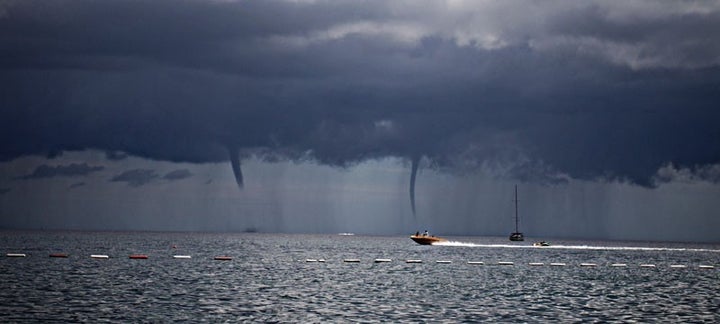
x=539, y=89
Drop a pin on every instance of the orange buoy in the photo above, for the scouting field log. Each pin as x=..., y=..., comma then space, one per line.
x=58, y=255
x=138, y=256
x=223, y=258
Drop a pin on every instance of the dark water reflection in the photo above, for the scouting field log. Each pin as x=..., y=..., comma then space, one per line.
x=269, y=280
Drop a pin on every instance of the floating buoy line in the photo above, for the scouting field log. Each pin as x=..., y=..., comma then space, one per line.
x=410, y=261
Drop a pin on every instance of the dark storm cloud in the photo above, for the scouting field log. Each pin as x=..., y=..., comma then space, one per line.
x=587, y=89
x=70, y=170
x=136, y=177
x=178, y=175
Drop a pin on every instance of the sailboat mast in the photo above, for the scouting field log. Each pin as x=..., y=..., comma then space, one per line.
x=516, y=210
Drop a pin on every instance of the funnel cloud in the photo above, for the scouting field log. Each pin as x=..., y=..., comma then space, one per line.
x=413, y=175
x=235, y=163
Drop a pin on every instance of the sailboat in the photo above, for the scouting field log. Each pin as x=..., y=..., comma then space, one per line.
x=516, y=236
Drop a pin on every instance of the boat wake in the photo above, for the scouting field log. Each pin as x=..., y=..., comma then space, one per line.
x=573, y=247
x=456, y=243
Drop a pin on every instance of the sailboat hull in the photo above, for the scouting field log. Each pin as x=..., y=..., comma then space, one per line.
x=517, y=237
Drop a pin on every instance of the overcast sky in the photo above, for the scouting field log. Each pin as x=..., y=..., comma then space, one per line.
x=328, y=116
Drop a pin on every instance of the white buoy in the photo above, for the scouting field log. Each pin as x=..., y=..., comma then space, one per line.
x=413, y=261
x=99, y=256
x=382, y=260
x=182, y=257
x=505, y=263
x=702, y=266
x=352, y=260
x=558, y=264
x=675, y=266
x=321, y=260
x=443, y=261
x=476, y=262
x=588, y=264
x=536, y=264
x=618, y=265
x=16, y=255
x=310, y=260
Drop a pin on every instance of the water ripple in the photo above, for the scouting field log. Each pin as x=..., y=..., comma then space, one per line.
x=268, y=281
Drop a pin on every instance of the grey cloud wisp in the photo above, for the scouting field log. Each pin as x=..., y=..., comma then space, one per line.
x=136, y=177
x=70, y=170
x=178, y=175
x=588, y=89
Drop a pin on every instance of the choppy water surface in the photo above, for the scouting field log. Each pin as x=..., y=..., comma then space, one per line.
x=270, y=280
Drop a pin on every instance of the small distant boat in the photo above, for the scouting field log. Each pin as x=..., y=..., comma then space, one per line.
x=541, y=243
x=516, y=236
x=346, y=234
x=426, y=239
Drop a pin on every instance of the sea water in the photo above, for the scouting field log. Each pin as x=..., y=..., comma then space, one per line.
x=278, y=278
